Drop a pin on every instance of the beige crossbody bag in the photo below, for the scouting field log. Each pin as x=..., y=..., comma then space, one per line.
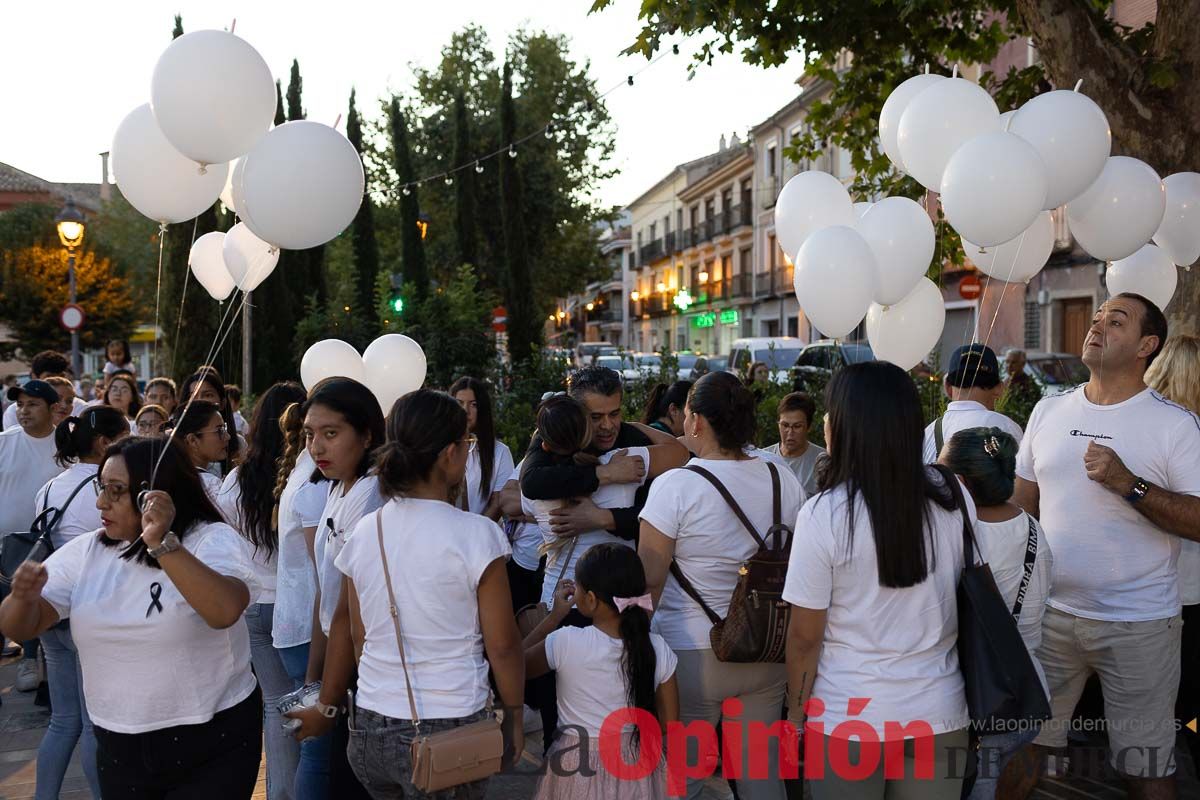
x=450, y=758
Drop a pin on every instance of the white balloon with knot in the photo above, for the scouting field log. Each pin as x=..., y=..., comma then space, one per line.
x=808, y=202
x=905, y=332
x=331, y=358
x=395, y=365
x=939, y=120
x=901, y=237
x=1020, y=258
x=1179, y=233
x=1120, y=211
x=208, y=265
x=993, y=188
x=1148, y=272
x=835, y=279
x=249, y=259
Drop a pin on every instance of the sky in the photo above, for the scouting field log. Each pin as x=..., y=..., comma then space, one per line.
x=71, y=70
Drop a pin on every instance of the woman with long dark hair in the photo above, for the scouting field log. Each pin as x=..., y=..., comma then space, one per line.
x=156, y=596
x=247, y=499
x=81, y=443
x=490, y=463
x=206, y=384
x=687, y=521
x=874, y=566
x=450, y=618
x=664, y=407
x=202, y=433
x=121, y=393
x=614, y=664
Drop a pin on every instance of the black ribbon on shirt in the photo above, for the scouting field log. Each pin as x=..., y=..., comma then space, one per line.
x=155, y=593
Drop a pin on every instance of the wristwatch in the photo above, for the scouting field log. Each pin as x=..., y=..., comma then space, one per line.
x=170, y=543
x=329, y=712
x=1139, y=490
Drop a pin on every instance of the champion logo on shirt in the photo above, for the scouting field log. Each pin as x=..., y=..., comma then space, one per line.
x=1090, y=435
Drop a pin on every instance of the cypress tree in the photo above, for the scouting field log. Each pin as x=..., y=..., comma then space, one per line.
x=279, y=117
x=366, y=250
x=412, y=248
x=308, y=264
x=464, y=184
x=178, y=31
x=524, y=326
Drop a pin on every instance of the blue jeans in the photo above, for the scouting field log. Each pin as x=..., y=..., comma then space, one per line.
x=69, y=721
x=283, y=751
x=312, y=775
x=995, y=751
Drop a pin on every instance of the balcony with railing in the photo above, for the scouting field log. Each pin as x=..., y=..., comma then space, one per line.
x=669, y=244
x=740, y=285
x=652, y=252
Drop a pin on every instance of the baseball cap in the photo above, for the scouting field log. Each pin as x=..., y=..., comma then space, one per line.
x=973, y=365
x=35, y=388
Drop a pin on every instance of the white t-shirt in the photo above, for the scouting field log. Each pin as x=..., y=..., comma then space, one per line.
x=610, y=495
x=502, y=467
x=229, y=499
x=26, y=463
x=1003, y=545
x=436, y=556
x=1110, y=562
x=144, y=667
x=527, y=536
x=240, y=425
x=338, y=520
x=300, y=507
x=212, y=486
x=897, y=647
x=10, y=413
x=711, y=544
x=804, y=466
x=961, y=415
x=1189, y=572
x=81, y=516
x=590, y=679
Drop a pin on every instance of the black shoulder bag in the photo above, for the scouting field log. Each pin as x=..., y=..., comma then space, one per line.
x=34, y=544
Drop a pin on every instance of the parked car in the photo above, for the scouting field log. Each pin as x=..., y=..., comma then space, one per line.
x=625, y=365
x=687, y=362
x=779, y=353
x=586, y=352
x=819, y=360
x=1055, y=373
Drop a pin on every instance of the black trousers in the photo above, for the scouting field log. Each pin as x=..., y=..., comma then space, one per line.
x=215, y=759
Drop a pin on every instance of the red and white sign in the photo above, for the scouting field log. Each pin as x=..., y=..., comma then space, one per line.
x=499, y=319
x=969, y=288
x=71, y=317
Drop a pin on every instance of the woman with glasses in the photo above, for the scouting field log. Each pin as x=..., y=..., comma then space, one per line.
x=206, y=384
x=247, y=499
x=343, y=426
x=155, y=595
x=81, y=442
x=151, y=420
x=201, y=431
x=122, y=394
x=490, y=463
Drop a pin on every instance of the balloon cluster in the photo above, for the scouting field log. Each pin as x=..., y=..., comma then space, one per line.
x=392, y=366
x=999, y=177
x=212, y=102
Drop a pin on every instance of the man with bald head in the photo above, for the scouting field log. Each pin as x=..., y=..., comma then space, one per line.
x=1112, y=470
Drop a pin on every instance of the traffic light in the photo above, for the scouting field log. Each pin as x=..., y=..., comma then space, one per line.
x=397, y=304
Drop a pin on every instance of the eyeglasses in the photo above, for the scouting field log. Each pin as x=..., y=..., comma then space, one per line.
x=148, y=426
x=220, y=430
x=793, y=426
x=113, y=491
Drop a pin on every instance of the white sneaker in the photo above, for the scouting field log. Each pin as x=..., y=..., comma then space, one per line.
x=27, y=675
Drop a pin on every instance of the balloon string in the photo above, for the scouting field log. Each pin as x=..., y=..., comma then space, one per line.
x=187, y=273
x=217, y=341
x=999, y=305
x=162, y=232
x=973, y=330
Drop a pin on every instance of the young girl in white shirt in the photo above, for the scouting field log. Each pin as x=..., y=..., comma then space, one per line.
x=201, y=430
x=614, y=678
x=489, y=463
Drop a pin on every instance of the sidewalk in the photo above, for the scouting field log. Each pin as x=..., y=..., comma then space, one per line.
x=22, y=724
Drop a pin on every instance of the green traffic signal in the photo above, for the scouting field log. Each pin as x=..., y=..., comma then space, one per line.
x=398, y=305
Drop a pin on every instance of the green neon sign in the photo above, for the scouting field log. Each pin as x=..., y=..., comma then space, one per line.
x=706, y=320
x=683, y=301
x=729, y=316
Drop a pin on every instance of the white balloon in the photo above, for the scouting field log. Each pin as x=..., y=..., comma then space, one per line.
x=301, y=185
x=395, y=366
x=213, y=96
x=227, y=192
x=249, y=259
x=1006, y=120
x=900, y=235
x=938, y=121
x=1070, y=133
x=157, y=179
x=208, y=266
x=1020, y=258
x=860, y=209
x=1179, y=233
x=1120, y=211
x=1148, y=272
x=893, y=109
x=834, y=279
x=905, y=332
x=330, y=358
x=810, y=201
x=993, y=188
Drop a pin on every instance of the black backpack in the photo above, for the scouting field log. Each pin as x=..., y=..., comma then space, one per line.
x=34, y=544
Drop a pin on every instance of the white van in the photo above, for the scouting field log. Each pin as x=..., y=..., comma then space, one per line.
x=779, y=353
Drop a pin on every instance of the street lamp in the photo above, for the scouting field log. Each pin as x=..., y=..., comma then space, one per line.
x=635, y=295
x=70, y=224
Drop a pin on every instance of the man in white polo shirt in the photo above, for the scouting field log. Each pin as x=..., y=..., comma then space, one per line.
x=1112, y=470
x=973, y=384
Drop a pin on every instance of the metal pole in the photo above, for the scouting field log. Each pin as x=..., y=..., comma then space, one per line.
x=247, y=355
x=76, y=365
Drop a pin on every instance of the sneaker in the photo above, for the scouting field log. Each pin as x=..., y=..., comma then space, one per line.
x=27, y=675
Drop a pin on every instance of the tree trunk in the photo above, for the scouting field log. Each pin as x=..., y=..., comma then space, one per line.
x=1159, y=124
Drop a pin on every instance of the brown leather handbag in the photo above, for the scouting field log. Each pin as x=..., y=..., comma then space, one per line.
x=532, y=615
x=450, y=758
x=755, y=629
